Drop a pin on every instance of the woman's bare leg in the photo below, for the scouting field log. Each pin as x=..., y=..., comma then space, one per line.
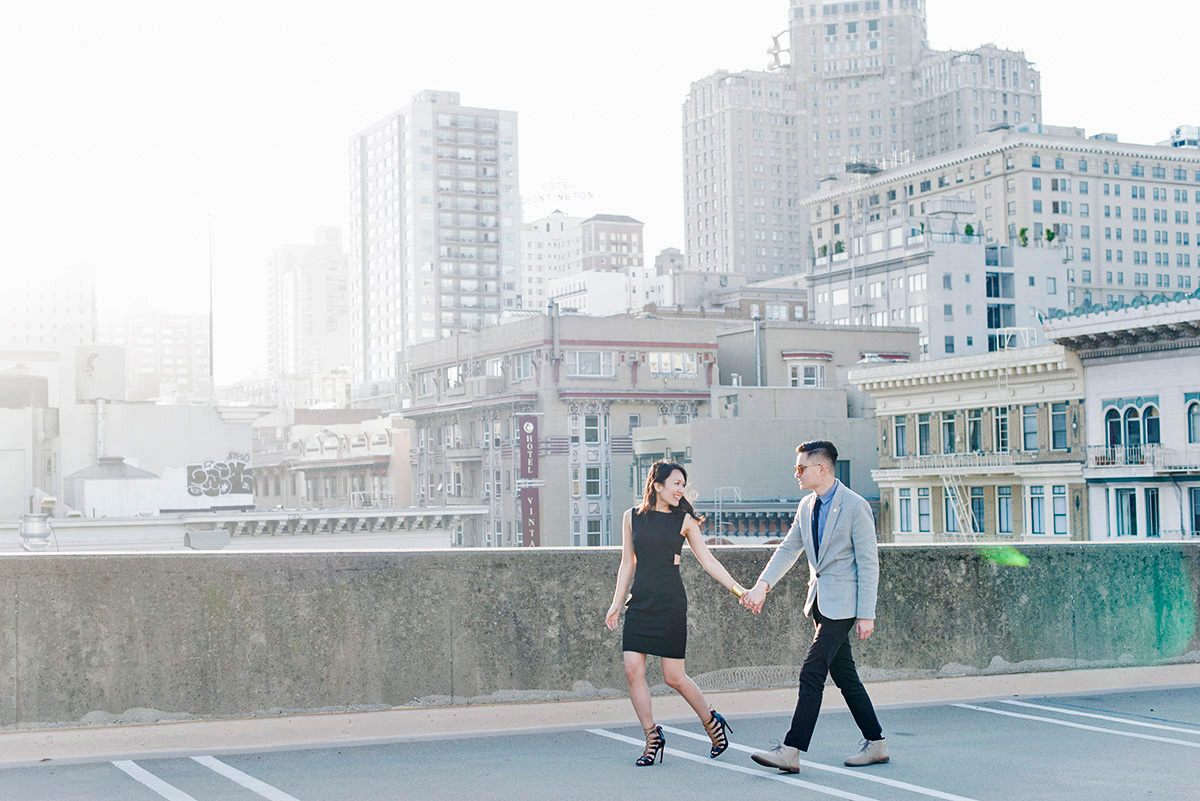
x=639, y=690
x=678, y=680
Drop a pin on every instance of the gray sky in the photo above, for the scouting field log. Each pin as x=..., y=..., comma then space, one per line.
x=128, y=124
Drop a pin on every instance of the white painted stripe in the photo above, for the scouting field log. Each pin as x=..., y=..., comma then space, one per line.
x=858, y=774
x=156, y=784
x=244, y=779
x=1135, y=735
x=1102, y=717
x=760, y=773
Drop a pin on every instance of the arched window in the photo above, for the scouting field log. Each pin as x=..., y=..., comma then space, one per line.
x=1193, y=422
x=1133, y=428
x=1112, y=428
x=1150, y=425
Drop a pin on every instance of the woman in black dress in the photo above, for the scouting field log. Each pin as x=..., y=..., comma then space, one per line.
x=656, y=617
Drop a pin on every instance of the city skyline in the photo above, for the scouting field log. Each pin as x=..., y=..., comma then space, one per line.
x=181, y=141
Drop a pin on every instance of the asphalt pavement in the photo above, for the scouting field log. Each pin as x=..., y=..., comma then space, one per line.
x=1100, y=747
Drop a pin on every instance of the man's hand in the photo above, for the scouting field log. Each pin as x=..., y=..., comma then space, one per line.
x=755, y=596
x=864, y=628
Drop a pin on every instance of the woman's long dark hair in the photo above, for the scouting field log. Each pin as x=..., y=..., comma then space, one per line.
x=660, y=471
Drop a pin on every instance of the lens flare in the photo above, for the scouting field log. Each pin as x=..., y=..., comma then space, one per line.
x=1005, y=556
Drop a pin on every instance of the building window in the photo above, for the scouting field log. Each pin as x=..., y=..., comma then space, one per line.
x=635, y=421
x=590, y=363
x=1150, y=428
x=1004, y=510
x=947, y=432
x=977, y=509
x=592, y=482
x=1058, y=426
x=975, y=431
x=1037, y=510
x=1000, y=433
x=522, y=366
x=950, y=516
x=923, y=517
x=806, y=375
x=1152, y=529
x=1126, y=513
x=593, y=532
x=949, y=344
x=923, y=434
x=1112, y=429
x=1195, y=495
x=1193, y=423
x=575, y=488
x=591, y=429
x=900, y=433
x=905, y=504
x=573, y=429
x=1029, y=432
x=667, y=363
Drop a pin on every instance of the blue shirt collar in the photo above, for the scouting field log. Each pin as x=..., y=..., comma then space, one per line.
x=827, y=497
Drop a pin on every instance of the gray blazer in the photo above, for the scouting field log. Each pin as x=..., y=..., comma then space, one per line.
x=847, y=574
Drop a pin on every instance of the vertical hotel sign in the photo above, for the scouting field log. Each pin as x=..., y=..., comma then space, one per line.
x=527, y=428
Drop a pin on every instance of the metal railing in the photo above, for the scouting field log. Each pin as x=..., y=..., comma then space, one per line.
x=944, y=461
x=1158, y=457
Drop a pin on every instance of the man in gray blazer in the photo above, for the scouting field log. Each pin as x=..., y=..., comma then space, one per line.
x=835, y=528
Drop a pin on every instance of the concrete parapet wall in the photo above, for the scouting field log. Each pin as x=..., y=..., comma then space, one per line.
x=97, y=638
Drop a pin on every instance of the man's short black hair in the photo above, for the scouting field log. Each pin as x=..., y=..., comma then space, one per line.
x=819, y=448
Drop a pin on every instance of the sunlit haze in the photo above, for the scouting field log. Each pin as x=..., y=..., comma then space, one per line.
x=130, y=126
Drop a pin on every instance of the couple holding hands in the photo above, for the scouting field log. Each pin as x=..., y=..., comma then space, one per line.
x=833, y=527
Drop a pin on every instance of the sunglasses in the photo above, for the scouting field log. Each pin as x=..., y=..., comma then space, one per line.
x=800, y=468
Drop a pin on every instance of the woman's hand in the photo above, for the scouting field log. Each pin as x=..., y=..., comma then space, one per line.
x=610, y=619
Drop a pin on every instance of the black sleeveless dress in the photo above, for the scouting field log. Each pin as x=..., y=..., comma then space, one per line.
x=656, y=618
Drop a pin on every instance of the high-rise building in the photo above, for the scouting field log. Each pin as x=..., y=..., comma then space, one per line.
x=863, y=88
x=874, y=92
x=961, y=94
x=1122, y=217
x=434, y=232
x=557, y=247
x=166, y=353
x=741, y=175
x=307, y=307
x=550, y=247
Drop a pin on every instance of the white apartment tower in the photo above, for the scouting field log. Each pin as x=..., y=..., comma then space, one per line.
x=307, y=307
x=434, y=232
x=741, y=175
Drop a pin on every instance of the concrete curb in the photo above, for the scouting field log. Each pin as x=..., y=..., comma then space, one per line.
x=295, y=732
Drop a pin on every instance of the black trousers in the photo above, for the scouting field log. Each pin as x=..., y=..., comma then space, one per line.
x=829, y=655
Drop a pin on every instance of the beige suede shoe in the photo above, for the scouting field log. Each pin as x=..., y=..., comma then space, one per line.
x=783, y=757
x=873, y=752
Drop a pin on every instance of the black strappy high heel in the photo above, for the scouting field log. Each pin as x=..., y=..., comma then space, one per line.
x=656, y=746
x=716, y=728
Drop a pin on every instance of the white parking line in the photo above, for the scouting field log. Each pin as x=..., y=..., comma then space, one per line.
x=156, y=784
x=244, y=779
x=1153, y=737
x=858, y=774
x=1102, y=717
x=820, y=788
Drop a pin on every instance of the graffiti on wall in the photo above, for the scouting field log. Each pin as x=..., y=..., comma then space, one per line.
x=228, y=477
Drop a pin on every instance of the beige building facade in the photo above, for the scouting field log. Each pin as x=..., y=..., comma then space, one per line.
x=987, y=447
x=1121, y=216
x=535, y=420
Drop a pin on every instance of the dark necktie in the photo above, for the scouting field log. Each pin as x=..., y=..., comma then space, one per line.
x=816, y=530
